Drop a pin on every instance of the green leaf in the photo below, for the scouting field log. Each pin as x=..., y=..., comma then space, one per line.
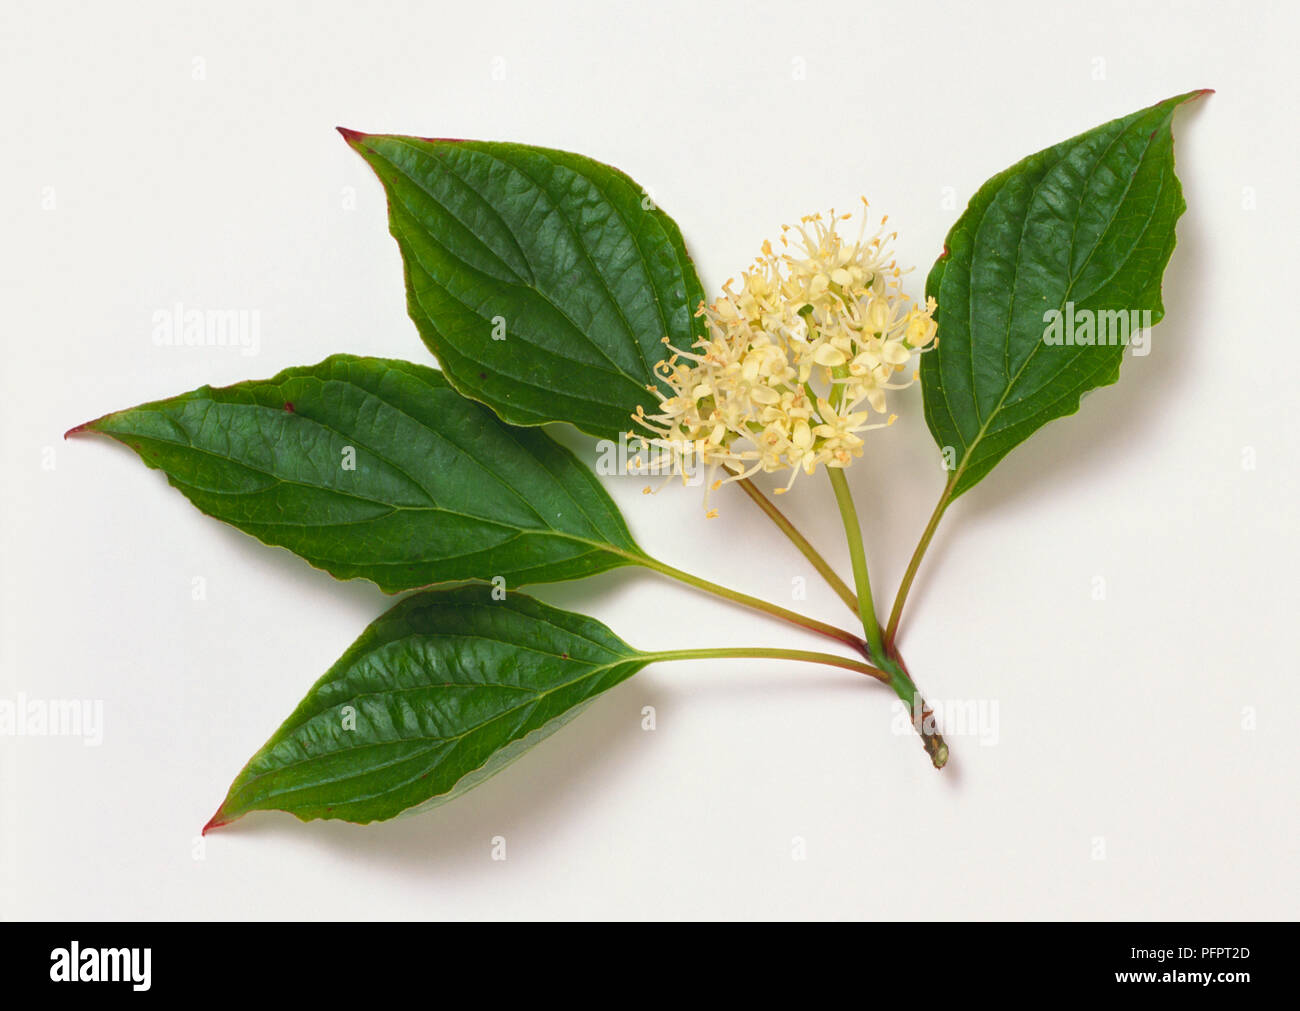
x=1088, y=223
x=377, y=469
x=441, y=692
x=544, y=281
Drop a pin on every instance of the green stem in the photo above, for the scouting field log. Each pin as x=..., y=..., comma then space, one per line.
x=858, y=555
x=919, y=711
x=807, y=550
x=756, y=603
x=763, y=653
x=896, y=613
x=898, y=678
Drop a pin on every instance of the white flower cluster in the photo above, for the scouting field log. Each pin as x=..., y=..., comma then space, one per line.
x=790, y=363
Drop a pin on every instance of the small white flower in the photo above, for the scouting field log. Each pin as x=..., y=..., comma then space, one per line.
x=777, y=382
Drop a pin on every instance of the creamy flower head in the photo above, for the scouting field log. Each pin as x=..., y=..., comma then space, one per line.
x=794, y=363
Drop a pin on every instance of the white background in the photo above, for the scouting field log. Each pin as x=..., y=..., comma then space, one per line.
x=191, y=157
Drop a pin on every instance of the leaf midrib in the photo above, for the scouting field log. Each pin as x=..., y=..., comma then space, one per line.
x=532, y=286
x=983, y=430
x=393, y=507
x=588, y=674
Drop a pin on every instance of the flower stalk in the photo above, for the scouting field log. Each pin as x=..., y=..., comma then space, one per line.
x=858, y=556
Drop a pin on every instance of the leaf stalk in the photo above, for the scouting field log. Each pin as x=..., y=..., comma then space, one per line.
x=764, y=653
x=844, y=636
x=900, y=598
x=819, y=563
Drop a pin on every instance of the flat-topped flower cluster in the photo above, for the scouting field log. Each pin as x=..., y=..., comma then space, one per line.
x=794, y=363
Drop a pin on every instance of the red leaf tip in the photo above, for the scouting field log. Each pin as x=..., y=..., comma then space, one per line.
x=82, y=429
x=216, y=821
x=353, y=137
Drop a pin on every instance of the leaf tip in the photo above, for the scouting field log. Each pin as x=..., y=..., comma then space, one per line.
x=217, y=820
x=353, y=137
x=85, y=428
